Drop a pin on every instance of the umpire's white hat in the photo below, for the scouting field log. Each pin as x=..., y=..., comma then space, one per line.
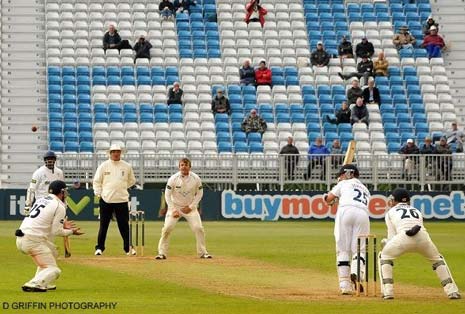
x=115, y=147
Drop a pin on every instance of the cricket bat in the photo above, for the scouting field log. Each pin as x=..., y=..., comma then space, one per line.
x=350, y=153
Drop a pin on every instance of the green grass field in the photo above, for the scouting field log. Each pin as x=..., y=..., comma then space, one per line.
x=258, y=267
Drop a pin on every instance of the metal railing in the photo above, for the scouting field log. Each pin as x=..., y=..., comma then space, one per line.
x=273, y=171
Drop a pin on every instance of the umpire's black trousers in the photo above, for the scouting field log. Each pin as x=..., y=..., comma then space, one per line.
x=122, y=217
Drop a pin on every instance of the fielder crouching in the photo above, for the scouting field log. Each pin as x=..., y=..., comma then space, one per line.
x=183, y=194
x=406, y=233
x=35, y=236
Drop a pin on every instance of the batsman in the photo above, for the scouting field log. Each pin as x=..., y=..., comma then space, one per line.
x=351, y=220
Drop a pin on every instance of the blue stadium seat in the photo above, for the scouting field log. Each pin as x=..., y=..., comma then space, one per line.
x=256, y=147
x=71, y=147
x=388, y=117
x=221, y=117
x=57, y=146
x=344, y=128
x=147, y=117
x=174, y=117
x=237, y=117
x=254, y=137
x=129, y=117
x=175, y=108
x=86, y=147
x=222, y=127
x=241, y=147
x=239, y=136
x=224, y=147
x=393, y=147
x=115, y=117
x=223, y=137
x=268, y=117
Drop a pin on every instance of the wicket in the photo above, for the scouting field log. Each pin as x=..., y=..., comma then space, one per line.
x=138, y=217
x=359, y=283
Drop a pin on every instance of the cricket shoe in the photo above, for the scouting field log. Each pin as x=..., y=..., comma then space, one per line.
x=51, y=287
x=131, y=252
x=98, y=252
x=454, y=296
x=206, y=256
x=160, y=256
x=29, y=287
x=347, y=291
x=388, y=297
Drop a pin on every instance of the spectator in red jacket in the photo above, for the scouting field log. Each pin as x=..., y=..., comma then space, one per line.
x=433, y=43
x=263, y=74
x=255, y=12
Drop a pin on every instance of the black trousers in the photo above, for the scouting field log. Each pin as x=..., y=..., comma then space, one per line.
x=121, y=211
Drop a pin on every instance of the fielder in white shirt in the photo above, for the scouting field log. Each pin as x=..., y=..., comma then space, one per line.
x=41, y=179
x=406, y=233
x=351, y=221
x=183, y=193
x=37, y=231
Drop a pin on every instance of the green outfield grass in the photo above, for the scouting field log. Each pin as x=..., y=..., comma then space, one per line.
x=258, y=267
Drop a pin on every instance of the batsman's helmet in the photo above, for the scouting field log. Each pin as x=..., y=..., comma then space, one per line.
x=50, y=154
x=56, y=187
x=350, y=170
x=401, y=195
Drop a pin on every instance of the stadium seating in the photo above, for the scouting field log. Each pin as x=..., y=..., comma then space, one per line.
x=88, y=87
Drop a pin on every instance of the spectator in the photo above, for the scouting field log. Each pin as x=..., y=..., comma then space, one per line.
x=76, y=184
x=342, y=115
x=111, y=39
x=359, y=112
x=354, y=92
x=345, y=49
x=183, y=6
x=364, y=48
x=454, y=135
x=220, y=103
x=428, y=24
x=166, y=9
x=404, y=40
x=381, y=65
x=444, y=162
x=319, y=57
x=338, y=159
x=364, y=69
x=291, y=158
x=428, y=148
x=175, y=94
x=433, y=43
x=263, y=74
x=371, y=93
x=317, y=153
x=247, y=74
x=142, y=48
x=253, y=123
x=410, y=161
x=255, y=12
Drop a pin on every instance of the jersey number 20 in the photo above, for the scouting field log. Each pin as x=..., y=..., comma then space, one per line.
x=361, y=197
x=35, y=211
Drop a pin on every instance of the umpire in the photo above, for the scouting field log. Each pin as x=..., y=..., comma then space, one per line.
x=111, y=183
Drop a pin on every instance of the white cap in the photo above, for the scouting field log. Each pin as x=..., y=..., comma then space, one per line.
x=115, y=147
x=433, y=28
x=409, y=140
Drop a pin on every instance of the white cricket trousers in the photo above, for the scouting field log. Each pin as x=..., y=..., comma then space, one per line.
x=350, y=222
x=43, y=253
x=193, y=219
x=420, y=243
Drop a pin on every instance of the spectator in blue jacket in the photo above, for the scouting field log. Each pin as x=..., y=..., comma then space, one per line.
x=317, y=153
x=247, y=74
